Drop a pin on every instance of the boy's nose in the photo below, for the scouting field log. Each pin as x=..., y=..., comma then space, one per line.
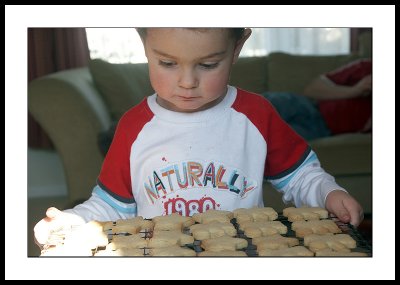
x=188, y=79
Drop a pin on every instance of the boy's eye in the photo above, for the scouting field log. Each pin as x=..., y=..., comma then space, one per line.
x=166, y=63
x=209, y=65
x=172, y=64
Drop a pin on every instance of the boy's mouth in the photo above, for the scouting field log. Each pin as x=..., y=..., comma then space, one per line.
x=187, y=98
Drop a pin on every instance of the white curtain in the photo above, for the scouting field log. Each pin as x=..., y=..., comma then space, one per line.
x=121, y=45
x=304, y=41
x=116, y=45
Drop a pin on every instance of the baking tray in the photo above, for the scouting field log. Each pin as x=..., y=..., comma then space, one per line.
x=362, y=244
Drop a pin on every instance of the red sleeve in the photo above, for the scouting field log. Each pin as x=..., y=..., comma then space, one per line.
x=286, y=150
x=115, y=176
x=351, y=73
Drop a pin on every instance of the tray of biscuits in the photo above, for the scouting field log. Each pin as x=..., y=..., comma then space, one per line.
x=255, y=232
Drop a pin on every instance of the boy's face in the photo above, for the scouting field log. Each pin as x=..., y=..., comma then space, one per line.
x=189, y=68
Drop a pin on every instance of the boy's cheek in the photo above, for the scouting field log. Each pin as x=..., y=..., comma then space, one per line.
x=160, y=81
x=164, y=82
x=216, y=83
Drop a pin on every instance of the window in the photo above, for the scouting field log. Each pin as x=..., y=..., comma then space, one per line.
x=116, y=45
x=303, y=41
x=121, y=45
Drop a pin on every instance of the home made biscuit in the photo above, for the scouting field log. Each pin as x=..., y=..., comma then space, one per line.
x=213, y=216
x=172, y=222
x=258, y=229
x=223, y=243
x=290, y=251
x=172, y=251
x=120, y=252
x=305, y=213
x=227, y=253
x=129, y=241
x=131, y=226
x=169, y=238
x=338, y=242
x=274, y=242
x=212, y=230
x=255, y=215
x=328, y=252
x=320, y=227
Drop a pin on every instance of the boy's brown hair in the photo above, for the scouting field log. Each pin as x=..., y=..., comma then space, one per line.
x=237, y=33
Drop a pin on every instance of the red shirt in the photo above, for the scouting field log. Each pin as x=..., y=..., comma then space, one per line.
x=348, y=115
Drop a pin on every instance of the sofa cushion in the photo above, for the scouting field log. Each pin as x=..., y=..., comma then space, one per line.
x=291, y=73
x=121, y=85
x=345, y=154
x=249, y=73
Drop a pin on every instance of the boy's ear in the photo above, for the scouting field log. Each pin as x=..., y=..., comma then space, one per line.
x=240, y=43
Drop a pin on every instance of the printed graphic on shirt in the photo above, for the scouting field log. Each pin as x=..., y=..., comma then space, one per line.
x=171, y=180
x=189, y=207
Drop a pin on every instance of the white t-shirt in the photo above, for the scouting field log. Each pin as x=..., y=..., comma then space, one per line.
x=161, y=162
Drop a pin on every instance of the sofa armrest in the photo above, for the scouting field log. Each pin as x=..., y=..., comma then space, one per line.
x=345, y=154
x=71, y=111
x=348, y=157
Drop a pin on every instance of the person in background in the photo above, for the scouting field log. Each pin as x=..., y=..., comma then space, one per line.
x=344, y=97
x=300, y=113
x=199, y=143
x=334, y=103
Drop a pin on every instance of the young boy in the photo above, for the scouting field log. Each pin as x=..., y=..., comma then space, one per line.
x=199, y=144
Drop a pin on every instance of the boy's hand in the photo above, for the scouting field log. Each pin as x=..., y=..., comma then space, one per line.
x=345, y=207
x=54, y=221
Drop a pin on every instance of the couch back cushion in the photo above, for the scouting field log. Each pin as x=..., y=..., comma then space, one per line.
x=291, y=73
x=250, y=73
x=121, y=85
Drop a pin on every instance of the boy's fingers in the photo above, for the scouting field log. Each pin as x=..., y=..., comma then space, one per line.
x=52, y=212
x=54, y=221
x=356, y=218
x=44, y=227
x=355, y=212
x=41, y=232
x=355, y=221
x=343, y=215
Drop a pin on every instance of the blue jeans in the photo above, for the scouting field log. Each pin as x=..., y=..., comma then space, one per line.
x=300, y=113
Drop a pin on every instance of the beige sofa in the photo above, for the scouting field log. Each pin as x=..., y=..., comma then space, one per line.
x=76, y=105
